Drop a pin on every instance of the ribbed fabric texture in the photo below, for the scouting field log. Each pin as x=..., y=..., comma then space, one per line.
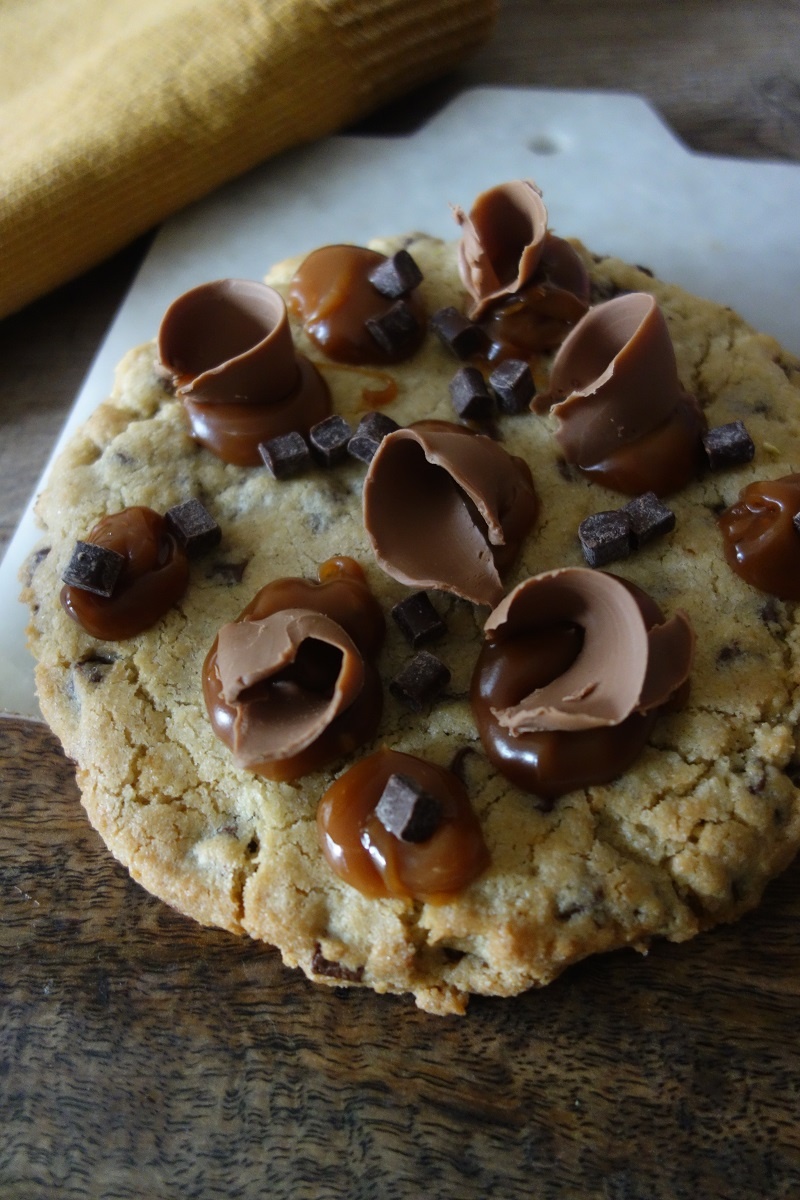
x=114, y=114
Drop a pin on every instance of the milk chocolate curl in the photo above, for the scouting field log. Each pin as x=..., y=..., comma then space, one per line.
x=618, y=372
x=229, y=342
x=447, y=508
x=621, y=666
x=501, y=241
x=287, y=677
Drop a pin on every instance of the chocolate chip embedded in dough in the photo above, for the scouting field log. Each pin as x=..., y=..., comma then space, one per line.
x=285, y=455
x=418, y=619
x=420, y=681
x=193, y=527
x=728, y=445
x=396, y=329
x=95, y=667
x=93, y=569
x=407, y=810
x=649, y=518
x=396, y=276
x=605, y=536
x=369, y=434
x=513, y=386
x=320, y=965
x=460, y=335
x=328, y=440
x=469, y=394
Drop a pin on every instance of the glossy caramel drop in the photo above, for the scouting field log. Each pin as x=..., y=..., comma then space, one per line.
x=762, y=544
x=333, y=298
x=369, y=858
x=154, y=576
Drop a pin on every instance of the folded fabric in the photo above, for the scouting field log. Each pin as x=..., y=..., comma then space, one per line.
x=116, y=113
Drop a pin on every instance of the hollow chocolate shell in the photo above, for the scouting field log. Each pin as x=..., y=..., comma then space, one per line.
x=622, y=415
x=229, y=349
x=447, y=508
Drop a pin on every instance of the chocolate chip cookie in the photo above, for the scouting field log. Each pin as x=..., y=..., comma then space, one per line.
x=444, y=672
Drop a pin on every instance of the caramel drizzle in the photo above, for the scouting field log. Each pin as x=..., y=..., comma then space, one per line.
x=384, y=394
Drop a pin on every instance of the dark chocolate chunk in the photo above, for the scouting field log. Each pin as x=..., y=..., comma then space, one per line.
x=420, y=681
x=418, y=619
x=328, y=440
x=369, y=434
x=396, y=276
x=193, y=527
x=320, y=965
x=407, y=810
x=395, y=329
x=94, y=569
x=513, y=386
x=457, y=333
x=728, y=445
x=285, y=455
x=605, y=536
x=649, y=518
x=469, y=394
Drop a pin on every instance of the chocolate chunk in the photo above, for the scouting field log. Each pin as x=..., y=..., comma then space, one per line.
x=328, y=440
x=420, y=681
x=470, y=397
x=395, y=329
x=457, y=333
x=94, y=569
x=418, y=619
x=193, y=527
x=396, y=276
x=513, y=386
x=407, y=810
x=728, y=445
x=605, y=536
x=320, y=965
x=649, y=518
x=369, y=434
x=285, y=455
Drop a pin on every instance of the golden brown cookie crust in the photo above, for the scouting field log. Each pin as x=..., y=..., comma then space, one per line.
x=686, y=839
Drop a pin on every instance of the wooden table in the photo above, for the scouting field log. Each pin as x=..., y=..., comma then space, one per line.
x=145, y=1057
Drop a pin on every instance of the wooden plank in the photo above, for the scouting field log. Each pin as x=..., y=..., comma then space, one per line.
x=145, y=1056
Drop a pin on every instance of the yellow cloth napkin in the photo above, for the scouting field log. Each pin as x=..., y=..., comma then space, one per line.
x=116, y=113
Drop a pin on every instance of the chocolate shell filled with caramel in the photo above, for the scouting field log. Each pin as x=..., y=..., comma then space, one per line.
x=370, y=857
x=575, y=666
x=622, y=416
x=291, y=685
x=447, y=508
x=229, y=350
x=527, y=287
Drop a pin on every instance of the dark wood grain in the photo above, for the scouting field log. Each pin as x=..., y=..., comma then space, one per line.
x=144, y=1056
